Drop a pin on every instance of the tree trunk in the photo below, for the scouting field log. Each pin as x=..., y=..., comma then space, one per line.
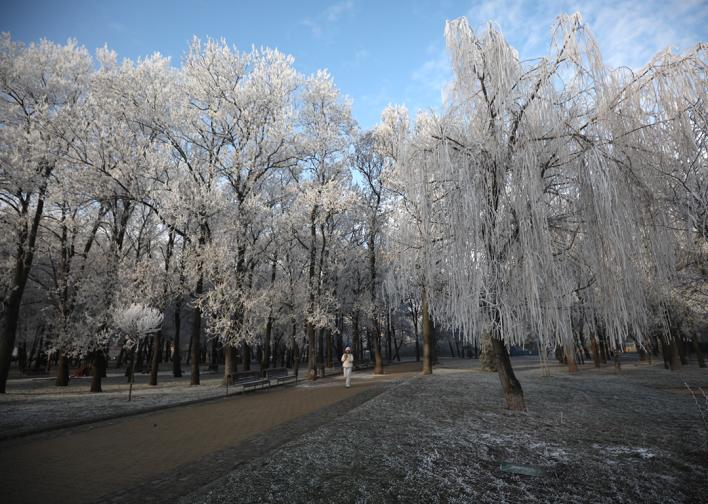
x=267, y=346
x=62, y=371
x=396, y=345
x=570, y=358
x=339, y=344
x=586, y=352
x=414, y=314
x=131, y=374
x=266, y=350
x=279, y=356
x=595, y=352
x=512, y=388
x=378, y=358
x=138, y=359
x=155, y=365
x=311, y=355
x=417, y=347
x=699, y=352
x=681, y=348
x=560, y=355
x=330, y=347
x=27, y=237
x=246, y=357
x=230, y=367
x=294, y=350
x=356, y=339
x=665, y=352
x=97, y=371
x=320, y=352
x=603, y=351
x=214, y=360
x=369, y=345
x=427, y=361
x=195, y=342
x=488, y=358
x=675, y=361
x=195, y=345
x=296, y=360
x=389, y=348
x=7, y=337
x=177, y=352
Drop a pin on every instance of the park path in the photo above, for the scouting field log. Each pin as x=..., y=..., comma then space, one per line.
x=157, y=456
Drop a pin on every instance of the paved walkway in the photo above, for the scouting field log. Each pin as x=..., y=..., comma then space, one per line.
x=158, y=456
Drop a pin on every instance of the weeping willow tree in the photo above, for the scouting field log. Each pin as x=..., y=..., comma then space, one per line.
x=543, y=176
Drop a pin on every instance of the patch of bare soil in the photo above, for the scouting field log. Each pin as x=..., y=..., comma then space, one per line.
x=596, y=436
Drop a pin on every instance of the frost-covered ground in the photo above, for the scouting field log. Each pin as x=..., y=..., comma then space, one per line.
x=33, y=404
x=597, y=436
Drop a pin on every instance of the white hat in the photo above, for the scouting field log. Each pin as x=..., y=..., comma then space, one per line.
x=348, y=348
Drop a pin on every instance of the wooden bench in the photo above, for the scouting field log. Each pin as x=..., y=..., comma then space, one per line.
x=280, y=375
x=249, y=380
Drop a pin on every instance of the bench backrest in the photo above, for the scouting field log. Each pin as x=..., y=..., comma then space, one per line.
x=246, y=376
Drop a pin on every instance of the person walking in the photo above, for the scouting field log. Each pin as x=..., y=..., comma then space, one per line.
x=347, y=365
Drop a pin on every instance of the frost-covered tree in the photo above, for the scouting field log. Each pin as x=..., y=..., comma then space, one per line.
x=165, y=101
x=105, y=160
x=539, y=177
x=246, y=105
x=415, y=233
x=40, y=85
x=322, y=184
x=369, y=163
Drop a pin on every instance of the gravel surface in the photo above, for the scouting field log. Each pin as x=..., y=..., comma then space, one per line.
x=597, y=436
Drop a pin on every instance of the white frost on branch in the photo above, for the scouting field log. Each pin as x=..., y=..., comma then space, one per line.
x=136, y=321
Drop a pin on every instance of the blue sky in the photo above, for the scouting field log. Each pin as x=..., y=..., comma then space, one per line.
x=378, y=51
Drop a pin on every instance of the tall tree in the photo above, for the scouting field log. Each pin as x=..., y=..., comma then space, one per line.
x=321, y=180
x=540, y=162
x=40, y=85
x=369, y=164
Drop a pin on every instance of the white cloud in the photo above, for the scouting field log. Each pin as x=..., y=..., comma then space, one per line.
x=430, y=81
x=628, y=32
x=435, y=72
x=330, y=16
x=335, y=12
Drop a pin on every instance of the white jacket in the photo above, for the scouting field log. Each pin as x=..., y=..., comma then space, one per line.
x=347, y=360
